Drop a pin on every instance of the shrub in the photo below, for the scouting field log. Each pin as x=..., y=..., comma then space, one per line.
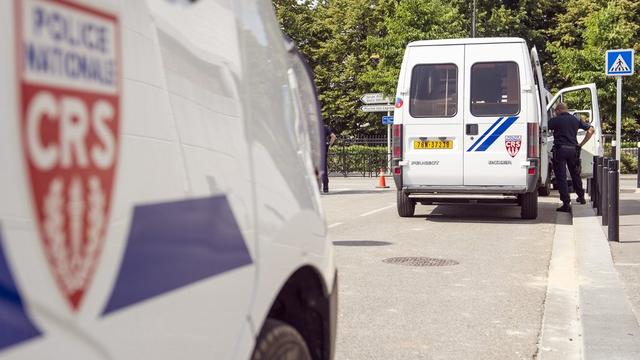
x=628, y=163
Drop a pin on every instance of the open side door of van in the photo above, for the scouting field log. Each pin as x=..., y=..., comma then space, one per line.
x=586, y=95
x=545, y=141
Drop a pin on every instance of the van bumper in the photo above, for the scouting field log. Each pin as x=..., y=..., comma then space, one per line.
x=533, y=180
x=463, y=189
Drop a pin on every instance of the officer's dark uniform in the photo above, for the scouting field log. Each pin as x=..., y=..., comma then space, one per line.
x=325, y=174
x=566, y=153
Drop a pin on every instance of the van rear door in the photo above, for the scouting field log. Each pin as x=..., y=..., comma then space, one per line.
x=433, y=138
x=495, y=129
x=544, y=117
x=584, y=98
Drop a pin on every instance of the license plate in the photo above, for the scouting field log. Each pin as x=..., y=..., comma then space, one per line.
x=433, y=144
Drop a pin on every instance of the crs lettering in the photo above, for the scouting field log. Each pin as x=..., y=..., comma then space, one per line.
x=75, y=121
x=70, y=121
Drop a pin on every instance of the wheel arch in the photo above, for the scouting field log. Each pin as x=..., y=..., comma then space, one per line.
x=305, y=302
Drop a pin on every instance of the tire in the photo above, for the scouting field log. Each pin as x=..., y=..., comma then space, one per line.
x=406, y=206
x=278, y=340
x=529, y=205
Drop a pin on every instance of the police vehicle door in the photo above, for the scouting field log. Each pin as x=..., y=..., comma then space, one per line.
x=495, y=131
x=585, y=98
x=546, y=142
x=433, y=142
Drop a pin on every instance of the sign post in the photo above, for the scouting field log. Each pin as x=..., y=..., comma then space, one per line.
x=377, y=102
x=619, y=63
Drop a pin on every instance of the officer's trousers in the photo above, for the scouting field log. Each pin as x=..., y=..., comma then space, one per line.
x=567, y=157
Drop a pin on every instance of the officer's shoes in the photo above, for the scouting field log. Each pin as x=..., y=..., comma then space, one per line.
x=564, y=208
x=581, y=200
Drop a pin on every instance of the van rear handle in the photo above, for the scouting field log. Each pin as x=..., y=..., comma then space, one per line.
x=472, y=129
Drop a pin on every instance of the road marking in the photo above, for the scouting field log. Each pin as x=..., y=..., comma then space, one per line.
x=378, y=210
x=334, y=225
x=627, y=264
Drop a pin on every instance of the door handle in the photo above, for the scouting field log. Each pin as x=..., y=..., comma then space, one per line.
x=472, y=129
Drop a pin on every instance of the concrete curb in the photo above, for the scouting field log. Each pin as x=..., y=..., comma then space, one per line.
x=560, y=334
x=609, y=327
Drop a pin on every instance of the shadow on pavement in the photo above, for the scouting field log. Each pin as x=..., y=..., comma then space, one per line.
x=482, y=213
x=361, y=243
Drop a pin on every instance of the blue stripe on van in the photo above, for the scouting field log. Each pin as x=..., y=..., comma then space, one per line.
x=174, y=244
x=15, y=325
x=496, y=134
x=485, y=134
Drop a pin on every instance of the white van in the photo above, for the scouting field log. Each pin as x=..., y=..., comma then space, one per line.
x=470, y=123
x=158, y=195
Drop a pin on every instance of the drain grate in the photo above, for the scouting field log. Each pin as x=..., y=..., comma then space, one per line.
x=420, y=261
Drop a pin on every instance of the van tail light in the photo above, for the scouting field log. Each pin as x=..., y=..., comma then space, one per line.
x=396, y=141
x=533, y=140
x=531, y=171
x=396, y=154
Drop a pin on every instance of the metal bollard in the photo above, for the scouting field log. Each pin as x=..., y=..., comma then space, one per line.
x=614, y=201
x=638, y=162
x=594, y=183
x=605, y=191
x=599, y=188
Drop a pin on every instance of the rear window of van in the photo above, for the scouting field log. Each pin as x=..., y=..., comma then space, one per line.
x=495, y=89
x=434, y=90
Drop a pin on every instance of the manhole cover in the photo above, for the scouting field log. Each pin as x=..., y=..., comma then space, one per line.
x=420, y=261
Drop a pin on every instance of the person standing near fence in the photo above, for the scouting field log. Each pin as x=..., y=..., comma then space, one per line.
x=566, y=153
x=330, y=139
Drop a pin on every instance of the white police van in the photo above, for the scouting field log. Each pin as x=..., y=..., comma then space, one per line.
x=470, y=123
x=157, y=196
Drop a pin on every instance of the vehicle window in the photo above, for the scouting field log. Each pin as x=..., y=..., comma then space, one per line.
x=434, y=90
x=495, y=89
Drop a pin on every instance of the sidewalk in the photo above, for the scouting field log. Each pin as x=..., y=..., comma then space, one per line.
x=626, y=254
x=593, y=297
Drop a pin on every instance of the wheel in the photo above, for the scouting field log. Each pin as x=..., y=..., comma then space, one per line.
x=278, y=340
x=529, y=205
x=406, y=206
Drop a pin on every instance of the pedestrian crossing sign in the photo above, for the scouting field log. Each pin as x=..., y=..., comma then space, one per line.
x=619, y=62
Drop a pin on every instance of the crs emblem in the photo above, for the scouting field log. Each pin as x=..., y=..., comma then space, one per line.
x=513, y=144
x=69, y=90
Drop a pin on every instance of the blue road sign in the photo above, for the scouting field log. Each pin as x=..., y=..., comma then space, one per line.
x=387, y=120
x=619, y=62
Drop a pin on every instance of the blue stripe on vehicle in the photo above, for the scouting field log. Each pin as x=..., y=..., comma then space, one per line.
x=496, y=134
x=15, y=325
x=485, y=134
x=175, y=244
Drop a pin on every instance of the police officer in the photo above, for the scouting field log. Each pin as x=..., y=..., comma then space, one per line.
x=330, y=138
x=566, y=153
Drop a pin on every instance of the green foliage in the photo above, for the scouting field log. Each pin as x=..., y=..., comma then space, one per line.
x=412, y=20
x=356, y=46
x=628, y=164
x=578, y=46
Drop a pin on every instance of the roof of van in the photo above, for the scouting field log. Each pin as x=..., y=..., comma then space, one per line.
x=495, y=40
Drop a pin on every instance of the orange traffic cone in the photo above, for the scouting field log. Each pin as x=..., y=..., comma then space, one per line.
x=382, y=182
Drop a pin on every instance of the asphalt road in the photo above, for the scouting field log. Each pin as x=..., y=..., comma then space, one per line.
x=487, y=306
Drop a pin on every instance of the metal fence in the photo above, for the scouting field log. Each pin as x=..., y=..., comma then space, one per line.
x=358, y=156
x=365, y=156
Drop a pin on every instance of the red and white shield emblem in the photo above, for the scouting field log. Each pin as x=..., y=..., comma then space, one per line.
x=68, y=68
x=513, y=144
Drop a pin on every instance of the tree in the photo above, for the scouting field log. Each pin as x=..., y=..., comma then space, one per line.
x=581, y=41
x=412, y=20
